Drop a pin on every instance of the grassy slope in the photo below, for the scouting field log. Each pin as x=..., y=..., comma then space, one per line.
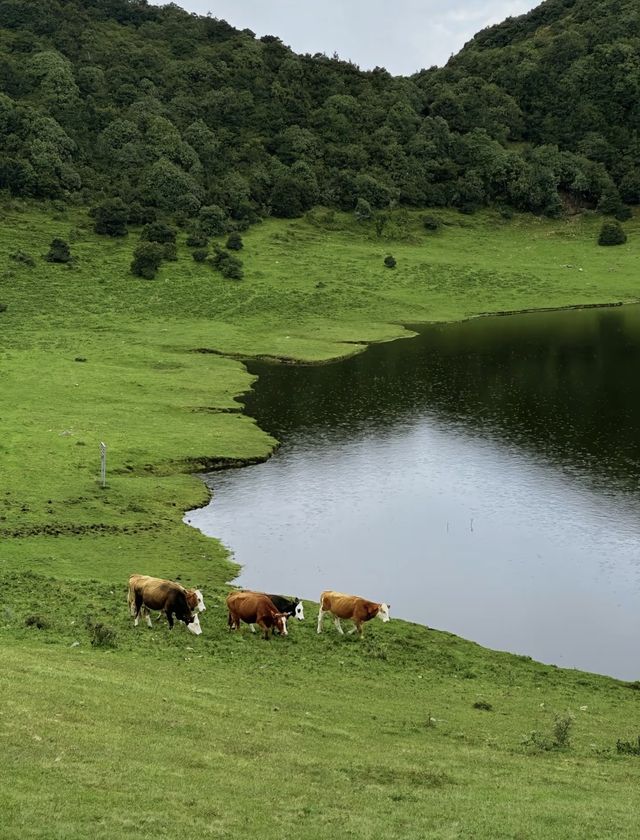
x=349, y=739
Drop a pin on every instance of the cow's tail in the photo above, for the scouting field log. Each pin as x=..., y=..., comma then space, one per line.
x=131, y=598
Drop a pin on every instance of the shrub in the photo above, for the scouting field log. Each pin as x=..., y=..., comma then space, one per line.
x=139, y=215
x=234, y=242
x=102, y=635
x=228, y=265
x=611, y=233
x=483, y=705
x=36, y=621
x=197, y=239
x=146, y=259
x=623, y=214
x=628, y=747
x=58, y=252
x=363, y=211
x=200, y=255
x=111, y=217
x=562, y=726
x=213, y=220
x=170, y=252
x=23, y=258
x=158, y=232
x=430, y=223
x=390, y=261
x=3, y=307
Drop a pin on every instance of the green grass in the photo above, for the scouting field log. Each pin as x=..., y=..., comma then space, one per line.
x=229, y=735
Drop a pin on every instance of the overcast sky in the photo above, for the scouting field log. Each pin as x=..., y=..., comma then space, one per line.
x=401, y=35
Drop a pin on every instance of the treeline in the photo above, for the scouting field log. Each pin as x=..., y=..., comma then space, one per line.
x=106, y=99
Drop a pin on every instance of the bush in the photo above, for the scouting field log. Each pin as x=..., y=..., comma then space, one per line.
x=36, y=621
x=146, y=259
x=430, y=223
x=111, y=217
x=213, y=220
x=624, y=213
x=363, y=211
x=158, y=232
x=228, y=265
x=390, y=261
x=628, y=747
x=170, y=252
x=200, y=255
x=197, y=239
x=102, y=635
x=58, y=252
x=23, y=258
x=611, y=233
x=139, y=215
x=483, y=705
x=3, y=307
x=234, y=242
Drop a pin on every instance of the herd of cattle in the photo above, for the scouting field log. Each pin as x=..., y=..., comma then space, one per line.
x=269, y=612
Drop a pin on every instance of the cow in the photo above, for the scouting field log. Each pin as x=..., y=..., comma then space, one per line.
x=289, y=606
x=351, y=607
x=149, y=593
x=255, y=608
x=195, y=602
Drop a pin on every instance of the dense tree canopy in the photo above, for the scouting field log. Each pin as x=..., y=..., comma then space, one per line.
x=118, y=99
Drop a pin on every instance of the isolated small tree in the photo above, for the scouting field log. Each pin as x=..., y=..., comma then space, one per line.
x=58, y=252
x=390, y=261
x=200, y=254
x=111, y=217
x=234, y=242
x=146, y=259
x=611, y=233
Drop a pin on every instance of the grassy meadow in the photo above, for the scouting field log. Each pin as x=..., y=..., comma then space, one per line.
x=153, y=734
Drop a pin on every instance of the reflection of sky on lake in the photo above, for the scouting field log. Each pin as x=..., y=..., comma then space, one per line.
x=459, y=523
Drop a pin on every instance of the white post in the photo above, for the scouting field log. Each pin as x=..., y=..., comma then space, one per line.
x=103, y=464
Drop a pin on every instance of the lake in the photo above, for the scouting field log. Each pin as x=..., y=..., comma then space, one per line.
x=483, y=478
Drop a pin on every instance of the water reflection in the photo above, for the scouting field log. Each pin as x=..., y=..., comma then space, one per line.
x=484, y=478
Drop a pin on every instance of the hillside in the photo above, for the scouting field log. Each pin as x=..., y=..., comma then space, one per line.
x=177, y=112
x=119, y=732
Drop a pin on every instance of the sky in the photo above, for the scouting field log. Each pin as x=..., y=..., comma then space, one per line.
x=402, y=35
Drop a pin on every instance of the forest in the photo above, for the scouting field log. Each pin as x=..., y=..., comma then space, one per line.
x=181, y=114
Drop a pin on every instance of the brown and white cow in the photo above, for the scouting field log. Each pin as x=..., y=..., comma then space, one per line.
x=351, y=607
x=255, y=608
x=149, y=593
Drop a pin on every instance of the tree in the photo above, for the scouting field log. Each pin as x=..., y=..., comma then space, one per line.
x=363, y=211
x=59, y=252
x=111, y=217
x=158, y=232
x=213, y=220
x=146, y=259
x=611, y=233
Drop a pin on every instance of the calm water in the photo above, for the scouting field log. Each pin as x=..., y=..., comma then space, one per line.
x=483, y=478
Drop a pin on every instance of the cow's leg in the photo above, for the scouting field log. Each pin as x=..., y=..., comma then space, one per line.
x=320, y=615
x=169, y=615
x=137, y=608
x=336, y=621
x=357, y=628
x=147, y=615
x=253, y=629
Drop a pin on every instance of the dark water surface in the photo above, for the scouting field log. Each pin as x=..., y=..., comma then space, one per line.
x=483, y=478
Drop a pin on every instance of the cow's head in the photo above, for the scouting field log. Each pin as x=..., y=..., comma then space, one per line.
x=299, y=611
x=194, y=625
x=280, y=623
x=200, y=607
x=383, y=612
